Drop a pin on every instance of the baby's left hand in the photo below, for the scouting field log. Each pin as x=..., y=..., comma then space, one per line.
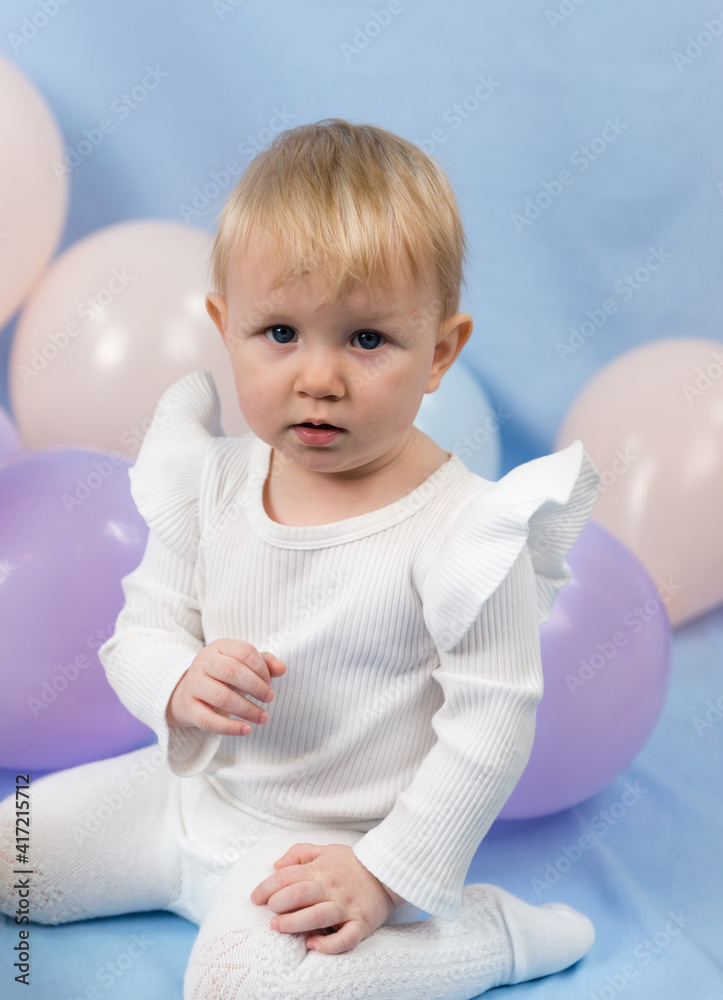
x=327, y=886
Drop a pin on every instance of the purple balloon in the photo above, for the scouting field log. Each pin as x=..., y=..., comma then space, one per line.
x=9, y=438
x=69, y=532
x=606, y=666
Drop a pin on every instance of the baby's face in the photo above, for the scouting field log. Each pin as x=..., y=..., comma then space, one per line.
x=362, y=363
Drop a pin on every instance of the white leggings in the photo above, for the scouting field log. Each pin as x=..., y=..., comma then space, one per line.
x=126, y=834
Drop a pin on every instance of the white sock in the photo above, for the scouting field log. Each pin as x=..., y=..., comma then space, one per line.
x=497, y=939
x=545, y=939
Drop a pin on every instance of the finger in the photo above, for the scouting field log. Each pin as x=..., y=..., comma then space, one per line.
x=238, y=676
x=204, y=717
x=245, y=653
x=227, y=702
x=226, y=671
x=268, y=886
x=344, y=939
x=299, y=854
x=276, y=666
x=259, y=894
x=309, y=918
x=274, y=884
x=290, y=874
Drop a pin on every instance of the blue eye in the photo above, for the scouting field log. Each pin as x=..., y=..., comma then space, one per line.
x=368, y=333
x=279, y=326
x=287, y=333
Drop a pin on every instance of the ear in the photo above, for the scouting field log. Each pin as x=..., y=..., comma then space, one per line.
x=453, y=335
x=217, y=309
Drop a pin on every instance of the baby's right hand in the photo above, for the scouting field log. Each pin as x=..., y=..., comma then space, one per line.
x=213, y=687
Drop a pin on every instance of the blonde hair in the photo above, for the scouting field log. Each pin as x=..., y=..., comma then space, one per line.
x=337, y=198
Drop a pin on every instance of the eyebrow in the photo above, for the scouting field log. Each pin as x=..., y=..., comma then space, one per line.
x=381, y=315
x=373, y=317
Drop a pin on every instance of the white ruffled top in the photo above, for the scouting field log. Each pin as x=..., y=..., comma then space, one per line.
x=410, y=635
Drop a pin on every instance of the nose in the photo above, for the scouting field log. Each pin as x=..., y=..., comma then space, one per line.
x=319, y=373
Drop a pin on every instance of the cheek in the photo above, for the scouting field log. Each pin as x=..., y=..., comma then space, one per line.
x=388, y=405
x=251, y=383
x=252, y=396
x=380, y=377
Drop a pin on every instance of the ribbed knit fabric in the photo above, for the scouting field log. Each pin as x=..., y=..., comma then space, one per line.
x=407, y=710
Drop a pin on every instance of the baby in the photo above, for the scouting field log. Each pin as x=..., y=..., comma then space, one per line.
x=334, y=629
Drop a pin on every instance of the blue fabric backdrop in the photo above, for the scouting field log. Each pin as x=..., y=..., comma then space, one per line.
x=624, y=98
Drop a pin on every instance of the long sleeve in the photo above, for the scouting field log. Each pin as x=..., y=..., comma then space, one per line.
x=158, y=633
x=492, y=683
x=493, y=580
x=157, y=636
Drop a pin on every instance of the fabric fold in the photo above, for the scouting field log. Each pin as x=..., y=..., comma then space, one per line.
x=166, y=478
x=545, y=503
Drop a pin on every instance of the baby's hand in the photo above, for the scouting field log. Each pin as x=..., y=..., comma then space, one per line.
x=326, y=887
x=213, y=688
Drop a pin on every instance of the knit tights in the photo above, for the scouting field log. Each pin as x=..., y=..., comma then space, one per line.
x=125, y=835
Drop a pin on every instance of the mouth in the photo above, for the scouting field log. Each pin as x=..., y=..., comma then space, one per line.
x=323, y=427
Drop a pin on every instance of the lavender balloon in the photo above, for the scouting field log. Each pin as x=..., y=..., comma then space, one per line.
x=69, y=532
x=606, y=665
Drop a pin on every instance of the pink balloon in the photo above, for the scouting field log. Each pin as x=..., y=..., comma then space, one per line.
x=117, y=318
x=33, y=195
x=652, y=422
x=606, y=666
x=69, y=532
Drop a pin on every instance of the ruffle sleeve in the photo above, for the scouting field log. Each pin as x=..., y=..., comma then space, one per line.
x=166, y=478
x=545, y=503
x=159, y=632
